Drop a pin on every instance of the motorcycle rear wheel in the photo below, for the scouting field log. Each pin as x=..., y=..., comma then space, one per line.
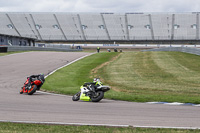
x=99, y=95
x=32, y=90
x=76, y=97
x=21, y=92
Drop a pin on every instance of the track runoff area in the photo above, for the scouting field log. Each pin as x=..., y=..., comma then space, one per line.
x=48, y=108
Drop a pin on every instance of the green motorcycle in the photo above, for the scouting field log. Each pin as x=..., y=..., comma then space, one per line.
x=91, y=91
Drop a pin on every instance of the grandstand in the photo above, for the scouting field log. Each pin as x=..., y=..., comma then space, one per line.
x=26, y=28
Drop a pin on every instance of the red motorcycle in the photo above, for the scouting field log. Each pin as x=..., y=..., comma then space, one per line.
x=32, y=84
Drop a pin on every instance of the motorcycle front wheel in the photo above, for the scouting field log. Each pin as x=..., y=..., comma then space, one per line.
x=76, y=97
x=98, y=96
x=32, y=90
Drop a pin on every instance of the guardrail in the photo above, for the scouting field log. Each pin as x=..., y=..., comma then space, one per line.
x=29, y=48
x=195, y=51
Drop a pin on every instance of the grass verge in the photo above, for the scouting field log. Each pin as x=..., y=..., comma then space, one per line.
x=135, y=76
x=69, y=79
x=40, y=128
x=154, y=76
x=7, y=53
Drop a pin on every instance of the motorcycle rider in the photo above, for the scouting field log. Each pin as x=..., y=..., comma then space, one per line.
x=96, y=82
x=39, y=76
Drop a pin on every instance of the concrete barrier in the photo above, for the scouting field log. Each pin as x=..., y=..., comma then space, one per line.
x=29, y=48
x=3, y=49
x=195, y=51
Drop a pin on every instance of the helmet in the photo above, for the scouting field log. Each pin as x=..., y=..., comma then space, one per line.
x=98, y=79
x=41, y=77
x=95, y=80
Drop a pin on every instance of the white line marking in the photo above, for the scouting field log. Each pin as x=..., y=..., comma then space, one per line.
x=88, y=124
x=67, y=64
x=61, y=68
x=15, y=54
x=175, y=103
x=167, y=127
x=48, y=93
x=82, y=124
x=152, y=102
x=62, y=123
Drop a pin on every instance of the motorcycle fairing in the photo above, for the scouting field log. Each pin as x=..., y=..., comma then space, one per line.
x=37, y=82
x=83, y=96
x=103, y=88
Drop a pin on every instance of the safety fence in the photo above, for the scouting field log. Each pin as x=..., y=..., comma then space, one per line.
x=29, y=48
x=195, y=51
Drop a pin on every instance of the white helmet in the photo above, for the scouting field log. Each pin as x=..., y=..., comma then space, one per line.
x=98, y=79
x=95, y=80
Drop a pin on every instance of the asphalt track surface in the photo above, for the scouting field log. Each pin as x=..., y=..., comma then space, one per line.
x=42, y=107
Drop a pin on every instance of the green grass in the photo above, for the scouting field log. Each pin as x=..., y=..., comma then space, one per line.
x=7, y=53
x=39, y=128
x=154, y=76
x=135, y=76
x=69, y=79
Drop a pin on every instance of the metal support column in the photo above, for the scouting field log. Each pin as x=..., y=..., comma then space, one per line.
x=151, y=27
x=35, y=27
x=60, y=26
x=127, y=30
x=13, y=25
x=173, y=21
x=197, y=28
x=104, y=23
x=82, y=31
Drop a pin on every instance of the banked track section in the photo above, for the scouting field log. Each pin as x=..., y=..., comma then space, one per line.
x=60, y=109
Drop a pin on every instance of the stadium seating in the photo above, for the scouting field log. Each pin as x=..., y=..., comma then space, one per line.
x=162, y=26
x=6, y=26
x=70, y=25
x=47, y=26
x=185, y=29
x=21, y=24
x=140, y=29
x=116, y=26
x=94, y=29
x=101, y=26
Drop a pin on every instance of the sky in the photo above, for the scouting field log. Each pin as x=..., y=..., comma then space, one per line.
x=119, y=6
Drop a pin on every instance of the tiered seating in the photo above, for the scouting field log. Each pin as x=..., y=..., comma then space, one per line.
x=140, y=22
x=185, y=29
x=32, y=25
x=95, y=29
x=162, y=25
x=4, y=26
x=70, y=25
x=22, y=25
x=116, y=26
x=100, y=26
x=47, y=26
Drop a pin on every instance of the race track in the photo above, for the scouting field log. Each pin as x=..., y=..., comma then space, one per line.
x=42, y=107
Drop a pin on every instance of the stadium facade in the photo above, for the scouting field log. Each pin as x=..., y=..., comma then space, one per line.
x=26, y=28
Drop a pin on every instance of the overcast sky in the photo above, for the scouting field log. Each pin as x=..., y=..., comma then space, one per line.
x=100, y=6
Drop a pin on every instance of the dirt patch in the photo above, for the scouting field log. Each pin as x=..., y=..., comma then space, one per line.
x=121, y=90
x=95, y=70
